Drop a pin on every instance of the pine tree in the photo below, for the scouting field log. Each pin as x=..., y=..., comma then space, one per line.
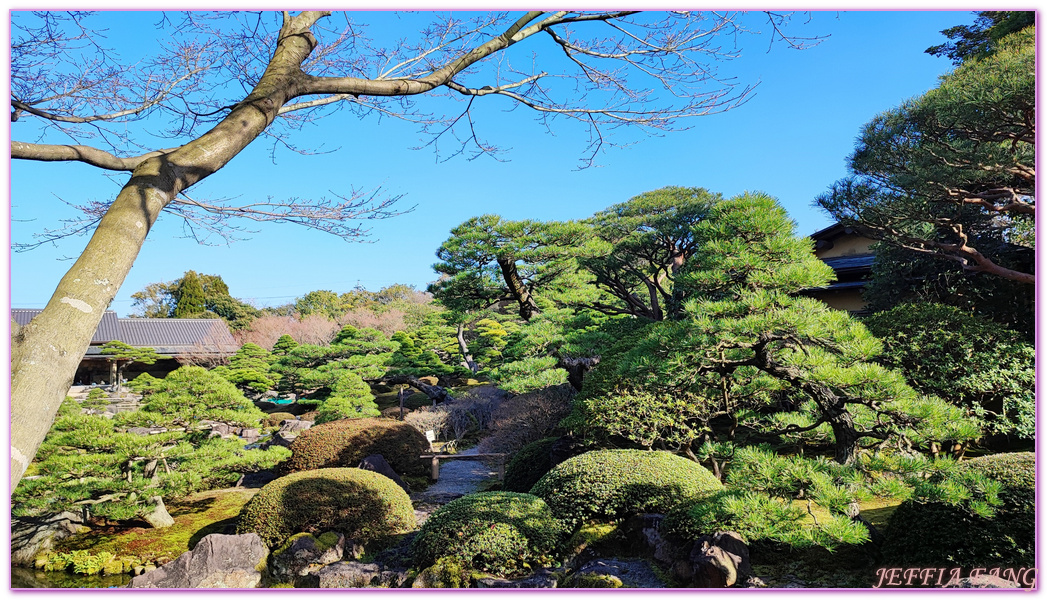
x=284, y=345
x=748, y=342
x=189, y=297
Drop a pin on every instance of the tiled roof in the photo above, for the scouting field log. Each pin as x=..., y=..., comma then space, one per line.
x=847, y=263
x=108, y=328
x=167, y=336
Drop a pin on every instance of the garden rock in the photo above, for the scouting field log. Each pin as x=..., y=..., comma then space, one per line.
x=544, y=578
x=282, y=438
x=31, y=536
x=158, y=517
x=632, y=573
x=733, y=544
x=217, y=561
x=359, y=575
x=645, y=530
x=306, y=554
x=294, y=425
x=378, y=464
x=713, y=567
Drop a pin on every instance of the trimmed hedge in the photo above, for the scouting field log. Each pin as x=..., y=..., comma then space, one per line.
x=936, y=534
x=346, y=442
x=528, y=466
x=360, y=504
x=502, y=533
x=613, y=484
x=274, y=418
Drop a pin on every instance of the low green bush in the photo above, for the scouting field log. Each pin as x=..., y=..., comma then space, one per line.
x=346, y=442
x=924, y=533
x=502, y=533
x=360, y=504
x=528, y=466
x=448, y=572
x=275, y=418
x=613, y=484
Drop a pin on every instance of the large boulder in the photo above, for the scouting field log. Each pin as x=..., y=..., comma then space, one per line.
x=217, y=561
x=305, y=553
x=378, y=464
x=158, y=517
x=31, y=536
x=544, y=578
x=631, y=573
x=294, y=425
x=360, y=575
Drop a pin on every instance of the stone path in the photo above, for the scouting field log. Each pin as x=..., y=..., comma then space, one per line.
x=457, y=478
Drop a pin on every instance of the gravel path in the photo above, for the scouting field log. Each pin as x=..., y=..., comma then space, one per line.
x=457, y=478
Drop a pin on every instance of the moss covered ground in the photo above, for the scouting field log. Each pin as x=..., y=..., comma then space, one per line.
x=195, y=517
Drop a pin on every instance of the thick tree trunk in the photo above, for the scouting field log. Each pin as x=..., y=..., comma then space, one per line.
x=46, y=352
x=435, y=392
x=464, y=349
x=577, y=368
x=517, y=289
x=832, y=407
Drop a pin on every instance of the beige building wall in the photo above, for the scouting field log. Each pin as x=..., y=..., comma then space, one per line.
x=846, y=245
x=849, y=300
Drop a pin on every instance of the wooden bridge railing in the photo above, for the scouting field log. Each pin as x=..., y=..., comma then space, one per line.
x=436, y=458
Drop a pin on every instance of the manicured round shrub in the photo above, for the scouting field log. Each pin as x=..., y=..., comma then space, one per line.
x=502, y=533
x=359, y=504
x=346, y=442
x=275, y=418
x=528, y=465
x=612, y=484
x=937, y=534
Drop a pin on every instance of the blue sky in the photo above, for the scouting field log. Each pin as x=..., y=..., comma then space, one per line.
x=790, y=140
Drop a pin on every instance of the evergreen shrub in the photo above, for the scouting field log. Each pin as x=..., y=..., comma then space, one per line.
x=346, y=442
x=613, y=484
x=360, y=504
x=502, y=533
x=965, y=359
x=758, y=517
x=528, y=466
x=939, y=534
x=275, y=418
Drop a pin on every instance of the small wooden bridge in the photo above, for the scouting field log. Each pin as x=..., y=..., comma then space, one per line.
x=499, y=460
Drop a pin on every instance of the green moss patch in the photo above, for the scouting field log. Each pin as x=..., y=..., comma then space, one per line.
x=195, y=516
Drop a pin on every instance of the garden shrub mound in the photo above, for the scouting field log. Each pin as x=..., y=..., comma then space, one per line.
x=346, y=442
x=359, y=504
x=274, y=419
x=613, y=484
x=528, y=466
x=502, y=533
x=936, y=534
